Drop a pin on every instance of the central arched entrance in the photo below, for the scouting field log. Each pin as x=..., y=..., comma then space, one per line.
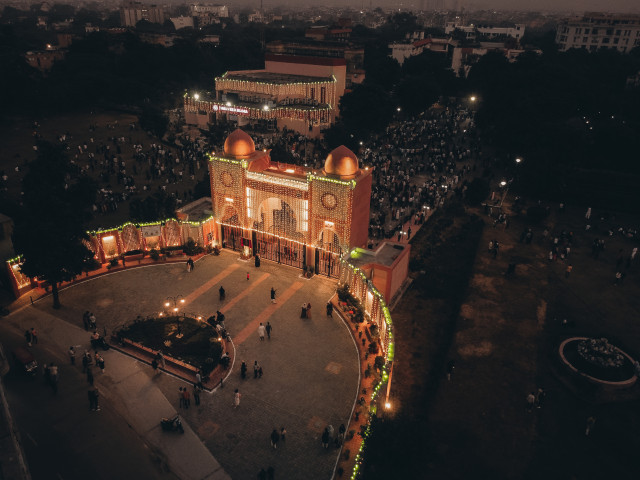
x=231, y=230
x=328, y=253
x=276, y=234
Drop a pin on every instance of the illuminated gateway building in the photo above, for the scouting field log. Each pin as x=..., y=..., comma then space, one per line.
x=287, y=213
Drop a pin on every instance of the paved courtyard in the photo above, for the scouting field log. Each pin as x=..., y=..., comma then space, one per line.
x=311, y=369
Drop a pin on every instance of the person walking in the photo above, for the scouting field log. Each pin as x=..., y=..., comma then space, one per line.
x=341, y=431
x=325, y=438
x=451, y=365
x=329, y=309
x=34, y=336
x=283, y=433
x=273, y=295
x=261, y=331
x=236, y=399
x=247, y=276
x=181, y=397
x=308, y=310
x=27, y=337
x=243, y=370
x=268, y=329
x=275, y=436
x=196, y=394
x=256, y=367
x=303, y=311
x=100, y=363
x=72, y=355
x=199, y=379
x=222, y=293
x=568, y=271
x=154, y=365
x=89, y=376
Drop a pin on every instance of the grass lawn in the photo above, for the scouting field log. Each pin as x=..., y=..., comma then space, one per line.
x=198, y=343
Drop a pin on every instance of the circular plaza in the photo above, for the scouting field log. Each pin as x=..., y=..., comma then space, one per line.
x=311, y=366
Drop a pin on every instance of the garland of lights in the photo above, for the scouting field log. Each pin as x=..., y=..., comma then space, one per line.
x=321, y=115
x=354, y=273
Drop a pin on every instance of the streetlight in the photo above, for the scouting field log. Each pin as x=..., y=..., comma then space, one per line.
x=472, y=98
x=175, y=300
x=518, y=160
x=503, y=183
x=399, y=109
x=196, y=96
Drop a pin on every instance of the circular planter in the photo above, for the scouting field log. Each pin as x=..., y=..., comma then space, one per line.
x=619, y=377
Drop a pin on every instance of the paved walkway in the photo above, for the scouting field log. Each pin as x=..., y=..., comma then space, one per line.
x=310, y=366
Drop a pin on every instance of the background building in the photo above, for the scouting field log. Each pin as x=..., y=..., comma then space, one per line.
x=132, y=12
x=593, y=31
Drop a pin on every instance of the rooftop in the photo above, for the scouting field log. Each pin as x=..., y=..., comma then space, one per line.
x=272, y=77
x=196, y=211
x=385, y=255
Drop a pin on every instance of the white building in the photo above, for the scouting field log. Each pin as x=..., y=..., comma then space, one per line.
x=402, y=51
x=593, y=31
x=471, y=31
x=182, y=22
x=132, y=12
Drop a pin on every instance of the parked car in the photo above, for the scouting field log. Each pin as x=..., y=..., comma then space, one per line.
x=24, y=360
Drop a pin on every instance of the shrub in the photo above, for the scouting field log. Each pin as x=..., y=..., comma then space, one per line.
x=343, y=293
x=155, y=254
x=476, y=192
x=134, y=252
x=190, y=247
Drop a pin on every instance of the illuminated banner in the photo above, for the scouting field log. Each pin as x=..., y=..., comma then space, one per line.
x=151, y=231
x=224, y=108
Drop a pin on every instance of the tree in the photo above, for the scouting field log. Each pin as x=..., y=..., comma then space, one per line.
x=367, y=109
x=50, y=231
x=153, y=120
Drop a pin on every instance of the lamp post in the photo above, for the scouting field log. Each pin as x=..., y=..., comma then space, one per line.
x=175, y=300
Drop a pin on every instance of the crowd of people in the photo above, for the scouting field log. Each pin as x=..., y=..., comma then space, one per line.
x=416, y=164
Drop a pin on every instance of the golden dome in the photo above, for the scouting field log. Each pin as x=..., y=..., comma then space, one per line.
x=239, y=144
x=341, y=161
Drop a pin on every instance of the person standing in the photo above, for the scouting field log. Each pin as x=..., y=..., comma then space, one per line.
x=274, y=438
x=341, y=431
x=588, y=214
x=268, y=330
x=329, y=309
x=283, y=433
x=568, y=271
x=187, y=398
x=325, y=438
x=89, y=376
x=243, y=370
x=247, y=276
x=308, y=310
x=72, y=355
x=27, y=337
x=531, y=401
x=53, y=376
x=236, y=398
x=303, y=311
x=591, y=421
x=273, y=295
x=34, y=336
x=199, y=379
x=196, y=394
x=181, y=397
x=255, y=369
x=154, y=365
x=261, y=331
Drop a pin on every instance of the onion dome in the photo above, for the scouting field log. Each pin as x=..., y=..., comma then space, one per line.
x=342, y=162
x=239, y=144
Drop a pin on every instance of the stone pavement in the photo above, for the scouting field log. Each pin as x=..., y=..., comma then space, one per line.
x=310, y=365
